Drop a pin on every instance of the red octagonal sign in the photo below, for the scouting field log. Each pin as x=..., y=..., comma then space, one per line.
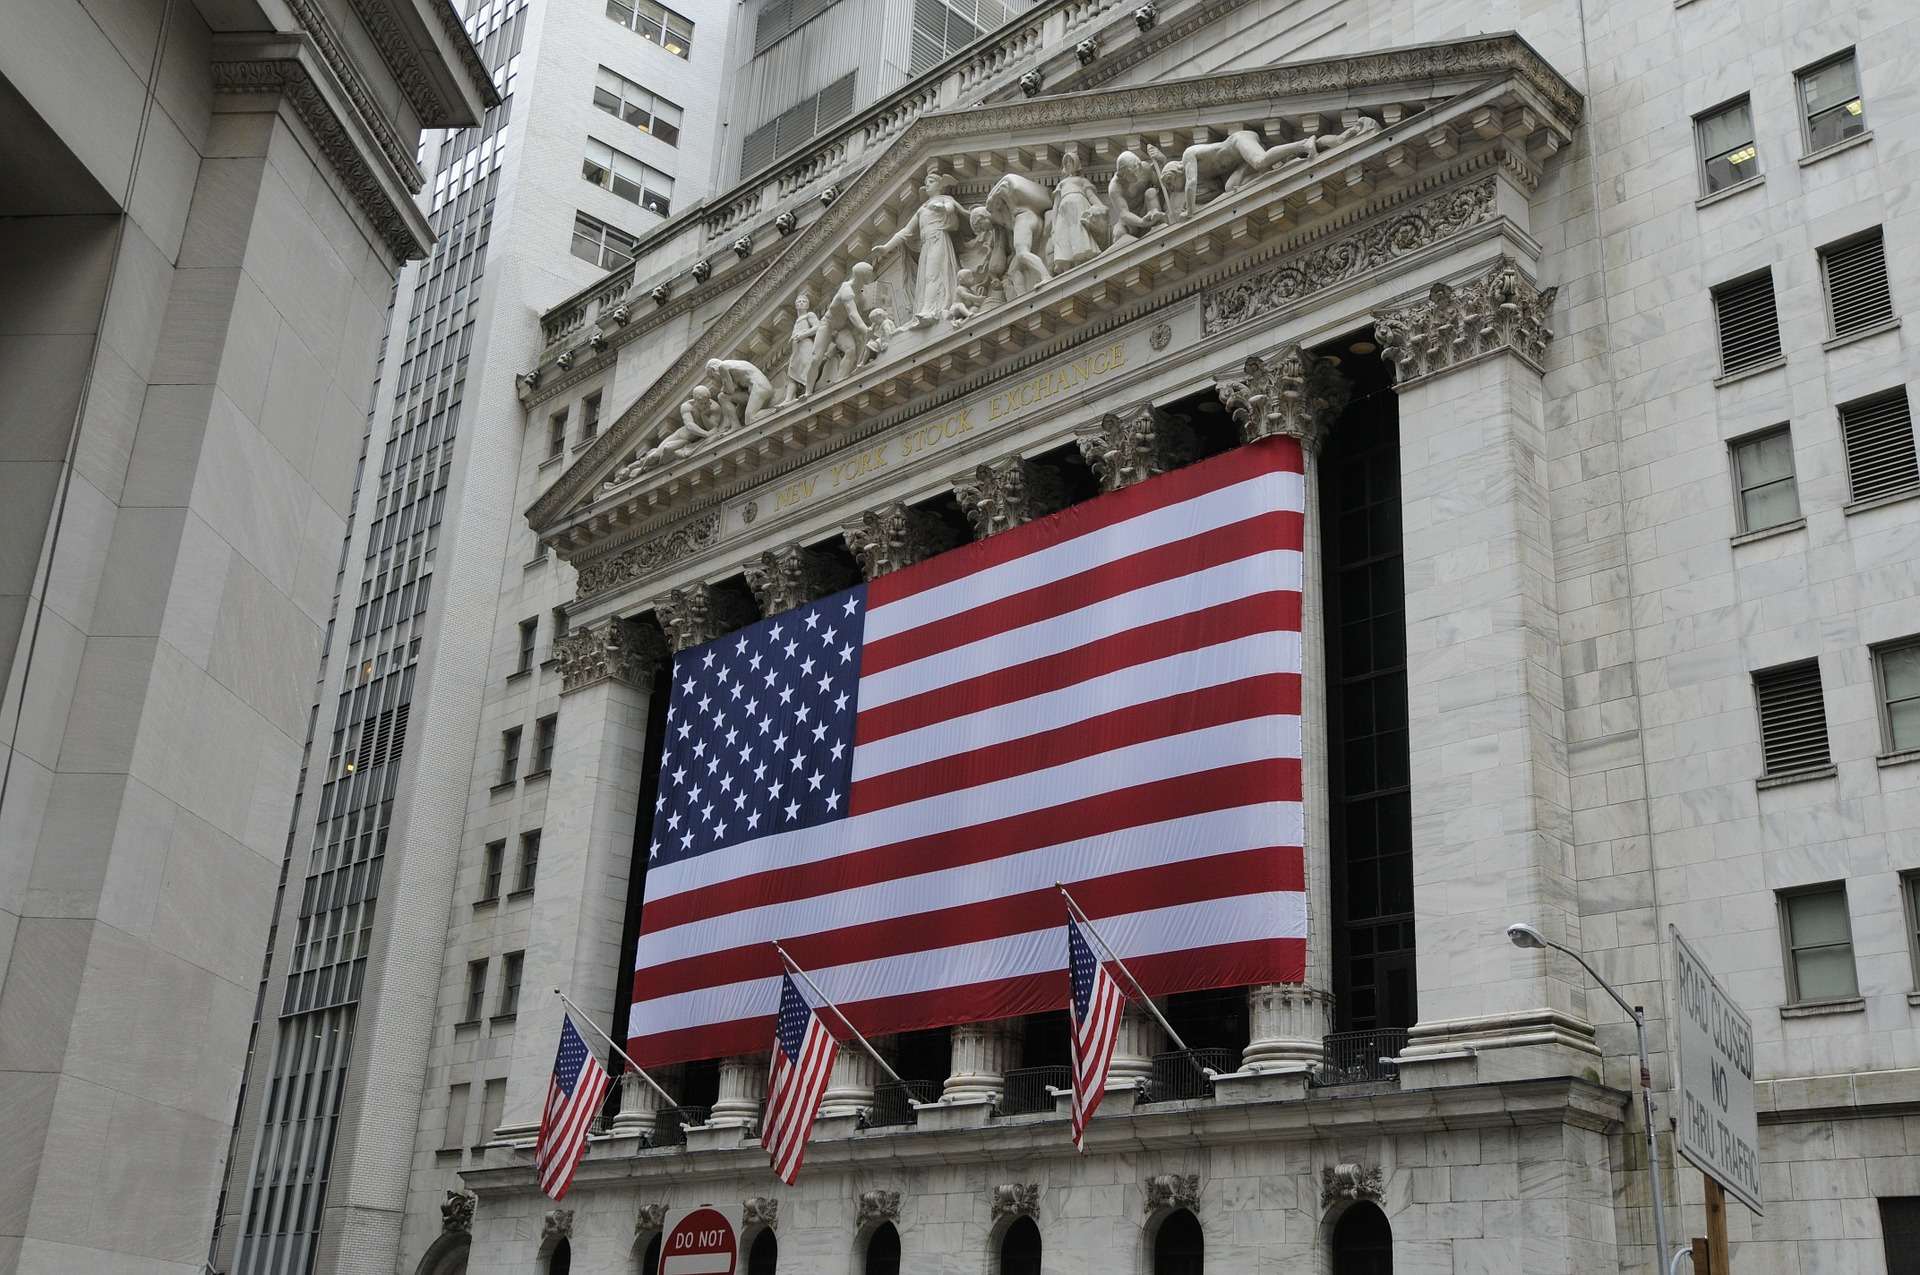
x=701, y=1243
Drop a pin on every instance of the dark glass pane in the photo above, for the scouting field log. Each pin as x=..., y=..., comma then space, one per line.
x=764, y=1257
x=1178, y=1248
x=1363, y=1242
x=883, y=1251
x=1020, y=1250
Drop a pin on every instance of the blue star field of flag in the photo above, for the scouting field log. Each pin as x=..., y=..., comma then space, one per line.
x=572, y=1055
x=760, y=730
x=1080, y=967
x=791, y=1031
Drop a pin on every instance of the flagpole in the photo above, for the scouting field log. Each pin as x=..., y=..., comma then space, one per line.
x=871, y=1051
x=637, y=1069
x=1145, y=999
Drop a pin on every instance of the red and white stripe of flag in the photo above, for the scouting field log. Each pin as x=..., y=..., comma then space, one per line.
x=793, y=1098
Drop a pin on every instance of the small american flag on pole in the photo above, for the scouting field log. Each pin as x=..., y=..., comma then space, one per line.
x=803, y=1051
x=574, y=1094
x=1094, y=1005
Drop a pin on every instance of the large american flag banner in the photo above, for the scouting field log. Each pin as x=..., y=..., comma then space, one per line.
x=891, y=780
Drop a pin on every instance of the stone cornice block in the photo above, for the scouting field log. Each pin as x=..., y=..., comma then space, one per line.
x=1499, y=311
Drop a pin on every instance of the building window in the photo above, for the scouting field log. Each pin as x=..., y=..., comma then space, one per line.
x=605, y=246
x=1178, y=1247
x=1727, y=153
x=650, y=1260
x=1900, y=1233
x=799, y=124
x=1020, y=1248
x=1878, y=434
x=543, y=732
x=627, y=177
x=590, y=416
x=1763, y=476
x=529, y=861
x=509, y=755
x=1910, y=901
x=476, y=990
x=1819, y=943
x=512, y=965
x=764, y=1257
x=1363, y=1242
x=645, y=110
x=1830, y=102
x=883, y=1251
x=493, y=1109
x=1900, y=694
x=1856, y=278
x=561, y=624
x=529, y=635
x=655, y=22
x=455, y=1132
x=495, y=868
x=1793, y=718
x=557, y=434
x=1749, y=325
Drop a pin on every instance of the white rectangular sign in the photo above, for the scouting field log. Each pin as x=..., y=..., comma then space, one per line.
x=1713, y=1045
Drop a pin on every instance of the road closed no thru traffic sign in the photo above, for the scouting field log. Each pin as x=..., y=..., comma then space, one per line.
x=1717, y=1128
x=701, y=1243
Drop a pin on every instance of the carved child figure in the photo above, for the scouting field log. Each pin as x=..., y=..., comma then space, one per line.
x=880, y=330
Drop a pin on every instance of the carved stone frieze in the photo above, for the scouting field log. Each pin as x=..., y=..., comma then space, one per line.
x=1015, y=1199
x=1172, y=1191
x=760, y=1211
x=557, y=1224
x=638, y=561
x=354, y=85
x=1125, y=447
x=700, y=613
x=1278, y=287
x=1350, y=1182
x=894, y=536
x=791, y=576
x=649, y=1218
x=618, y=650
x=1290, y=392
x=875, y=1207
x=456, y=1213
x=1500, y=310
x=1005, y=493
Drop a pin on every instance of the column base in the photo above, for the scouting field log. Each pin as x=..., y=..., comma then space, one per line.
x=1289, y=1027
x=1527, y=1044
x=948, y=1113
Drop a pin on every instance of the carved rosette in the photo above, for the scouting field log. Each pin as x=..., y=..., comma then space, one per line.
x=894, y=536
x=1172, y=1191
x=1291, y=393
x=1125, y=447
x=1350, y=1182
x=760, y=1211
x=620, y=650
x=649, y=1218
x=557, y=1224
x=700, y=613
x=791, y=576
x=456, y=1213
x=1502, y=310
x=1015, y=1199
x=1008, y=492
x=875, y=1207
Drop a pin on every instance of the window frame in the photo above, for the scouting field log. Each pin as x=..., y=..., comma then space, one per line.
x=1825, y=254
x=476, y=998
x=654, y=186
x=590, y=416
x=1881, y=650
x=546, y=731
x=1742, y=520
x=528, y=871
x=656, y=33
x=1719, y=295
x=1800, y=78
x=1866, y=403
x=493, y=871
x=1702, y=159
x=509, y=756
x=1791, y=968
x=1910, y=908
x=1755, y=676
x=513, y=972
x=557, y=434
x=529, y=643
x=650, y=107
x=607, y=254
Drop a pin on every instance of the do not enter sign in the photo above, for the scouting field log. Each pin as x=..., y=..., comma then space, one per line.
x=701, y=1243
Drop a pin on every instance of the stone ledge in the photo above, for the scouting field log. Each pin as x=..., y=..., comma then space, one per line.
x=1867, y=1093
x=1821, y=1009
x=1858, y=139
x=1848, y=338
x=1765, y=533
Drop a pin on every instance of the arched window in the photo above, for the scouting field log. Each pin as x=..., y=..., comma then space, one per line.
x=1177, y=1246
x=1363, y=1242
x=560, y=1261
x=1020, y=1248
x=883, y=1251
x=764, y=1256
x=650, y=1260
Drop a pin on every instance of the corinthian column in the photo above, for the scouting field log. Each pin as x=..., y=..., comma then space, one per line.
x=1293, y=394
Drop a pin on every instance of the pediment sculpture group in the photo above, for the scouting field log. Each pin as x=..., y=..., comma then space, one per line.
x=958, y=261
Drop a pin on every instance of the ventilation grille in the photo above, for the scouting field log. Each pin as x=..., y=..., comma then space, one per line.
x=1857, y=285
x=1749, y=327
x=783, y=17
x=797, y=125
x=1879, y=439
x=1793, y=718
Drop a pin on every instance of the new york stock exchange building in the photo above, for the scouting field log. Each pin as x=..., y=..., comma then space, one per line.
x=1578, y=469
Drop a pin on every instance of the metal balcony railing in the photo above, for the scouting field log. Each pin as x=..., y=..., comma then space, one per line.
x=1184, y=1073
x=1356, y=1058
x=893, y=1103
x=670, y=1124
x=1027, y=1089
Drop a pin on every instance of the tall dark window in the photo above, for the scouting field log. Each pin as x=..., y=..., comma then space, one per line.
x=1020, y=1248
x=883, y=1251
x=1363, y=1242
x=560, y=1262
x=1178, y=1248
x=1900, y=1232
x=1366, y=640
x=764, y=1257
x=650, y=1260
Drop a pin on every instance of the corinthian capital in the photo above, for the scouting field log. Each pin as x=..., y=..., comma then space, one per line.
x=621, y=650
x=1500, y=310
x=700, y=613
x=790, y=576
x=894, y=536
x=1008, y=492
x=1291, y=393
x=1126, y=447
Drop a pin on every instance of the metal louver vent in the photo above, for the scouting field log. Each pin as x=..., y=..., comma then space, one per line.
x=775, y=21
x=757, y=151
x=836, y=101
x=1878, y=433
x=1793, y=718
x=1749, y=326
x=1857, y=285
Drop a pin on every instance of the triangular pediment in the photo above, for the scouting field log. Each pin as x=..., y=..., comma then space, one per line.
x=1277, y=155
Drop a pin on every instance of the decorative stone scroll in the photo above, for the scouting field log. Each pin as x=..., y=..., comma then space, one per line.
x=1350, y=1182
x=620, y=650
x=1500, y=310
x=700, y=613
x=875, y=1207
x=456, y=1213
x=557, y=1224
x=1291, y=393
x=791, y=576
x=760, y=1211
x=1005, y=493
x=648, y=556
x=649, y=1219
x=1125, y=447
x=894, y=536
x=1015, y=1199
x=1172, y=1191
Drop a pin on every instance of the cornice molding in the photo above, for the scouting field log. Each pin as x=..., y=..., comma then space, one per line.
x=1500, y=310
x=354, y=85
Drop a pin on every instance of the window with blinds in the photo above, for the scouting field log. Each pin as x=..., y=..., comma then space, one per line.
x=1878, y=434
x=1856, y=275
x=1749, y=325
x=941, y=28
x=799, y=124
x=1793, y=718
x=783, y=17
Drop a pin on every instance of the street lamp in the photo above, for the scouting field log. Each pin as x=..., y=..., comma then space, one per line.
x=1526, y=936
